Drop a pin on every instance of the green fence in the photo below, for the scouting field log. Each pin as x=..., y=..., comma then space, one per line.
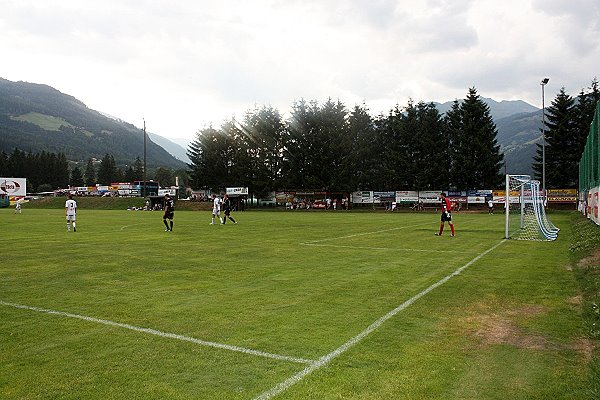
x=589, y=165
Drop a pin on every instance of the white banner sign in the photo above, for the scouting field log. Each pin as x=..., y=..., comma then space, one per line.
x=593, y=205
x=407, y=196
x=236, y=191
x=13, y=186
x=430, y=196
x=362, y=197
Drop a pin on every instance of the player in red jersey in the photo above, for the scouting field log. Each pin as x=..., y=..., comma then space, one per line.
x=446, y=216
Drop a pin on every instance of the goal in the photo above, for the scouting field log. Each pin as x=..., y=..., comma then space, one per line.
x=525, y=210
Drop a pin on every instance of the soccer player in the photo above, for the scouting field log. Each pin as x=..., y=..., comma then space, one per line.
x=216, y=212
x=446, y=216
x=70, y=211
x=490, y=206
x=18, y=207
x=227, y=210
x=169, y=207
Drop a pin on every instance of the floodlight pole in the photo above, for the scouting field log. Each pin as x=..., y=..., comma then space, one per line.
x=144, y=187
x=543, y=83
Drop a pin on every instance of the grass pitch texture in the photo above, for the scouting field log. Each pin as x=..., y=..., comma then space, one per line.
x=122, y=309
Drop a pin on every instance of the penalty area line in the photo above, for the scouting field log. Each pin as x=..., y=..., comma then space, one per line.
x=161, y=334
x=292, y=380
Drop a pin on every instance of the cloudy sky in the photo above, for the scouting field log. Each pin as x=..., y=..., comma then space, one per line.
x=182, y=65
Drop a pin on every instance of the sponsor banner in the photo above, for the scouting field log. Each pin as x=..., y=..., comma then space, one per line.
x=562, y=192
x=284, y=196
x=593, y=205
x=103, y=188
x=170, y=191
x=407, y=196
x=562, y=195
x=13, y=186
x=502, y=199
x=457, y=199
x=562, y=199
x=122, y=186
x=502, y=193
x=378, y=197
x=237, y=191
x=430, y=196
x=362, y=197
x=479, y=193
x=456, y=193
x=81, y=189
x=476, y=199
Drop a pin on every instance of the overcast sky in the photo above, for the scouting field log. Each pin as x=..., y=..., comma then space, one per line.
x=185, y=64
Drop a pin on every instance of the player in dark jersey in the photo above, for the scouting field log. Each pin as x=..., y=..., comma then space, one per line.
x=227, y=210
x=169, y=207
x=446, y=216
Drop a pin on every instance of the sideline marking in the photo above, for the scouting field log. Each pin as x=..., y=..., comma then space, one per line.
x=283, y=386
x=162, y=334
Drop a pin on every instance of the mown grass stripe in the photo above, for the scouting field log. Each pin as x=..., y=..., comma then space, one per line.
x=160, y=333
x=283, y=386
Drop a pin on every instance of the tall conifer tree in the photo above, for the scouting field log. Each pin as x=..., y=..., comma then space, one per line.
x=562, y=143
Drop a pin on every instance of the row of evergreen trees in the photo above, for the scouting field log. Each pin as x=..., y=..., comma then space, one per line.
x=567, y=126
x=48, y=171
x=327, y=147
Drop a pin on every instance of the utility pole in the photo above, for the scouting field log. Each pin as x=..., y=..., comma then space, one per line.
x=144, y=187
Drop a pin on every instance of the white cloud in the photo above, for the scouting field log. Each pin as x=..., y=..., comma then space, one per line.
x=184, y=64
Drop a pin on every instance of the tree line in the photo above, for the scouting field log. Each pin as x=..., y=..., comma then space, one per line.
x=49, y=171
x=328, y=147
x=567, y=125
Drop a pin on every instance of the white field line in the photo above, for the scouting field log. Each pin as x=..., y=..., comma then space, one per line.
x=161, y=334
x=381, y=248
x=283, y=386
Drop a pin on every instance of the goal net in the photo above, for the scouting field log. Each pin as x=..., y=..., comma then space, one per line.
x=525, y=212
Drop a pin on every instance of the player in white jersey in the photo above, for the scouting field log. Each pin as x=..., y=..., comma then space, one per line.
x=18, y=207
x=70, y=211
x=216, y=210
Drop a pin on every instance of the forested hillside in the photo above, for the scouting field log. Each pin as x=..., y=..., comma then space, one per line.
x=36, y=118
x=518, y=135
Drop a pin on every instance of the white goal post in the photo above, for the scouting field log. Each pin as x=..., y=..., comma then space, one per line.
x=525, y=210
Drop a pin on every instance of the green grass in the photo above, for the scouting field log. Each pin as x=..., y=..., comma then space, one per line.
x=110, y=203
x=298, y=284
x=44, y=121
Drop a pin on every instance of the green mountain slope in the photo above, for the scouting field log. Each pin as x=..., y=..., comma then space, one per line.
x=519, y=125
x=37, y=118
x=518, y=135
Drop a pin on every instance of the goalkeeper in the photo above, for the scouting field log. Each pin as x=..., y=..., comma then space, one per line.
x=446, y=216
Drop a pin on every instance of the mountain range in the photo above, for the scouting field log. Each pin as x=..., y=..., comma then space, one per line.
x=519, y=125
x=36, y=117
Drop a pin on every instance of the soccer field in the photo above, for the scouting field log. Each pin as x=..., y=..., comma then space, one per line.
x=286, y=305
